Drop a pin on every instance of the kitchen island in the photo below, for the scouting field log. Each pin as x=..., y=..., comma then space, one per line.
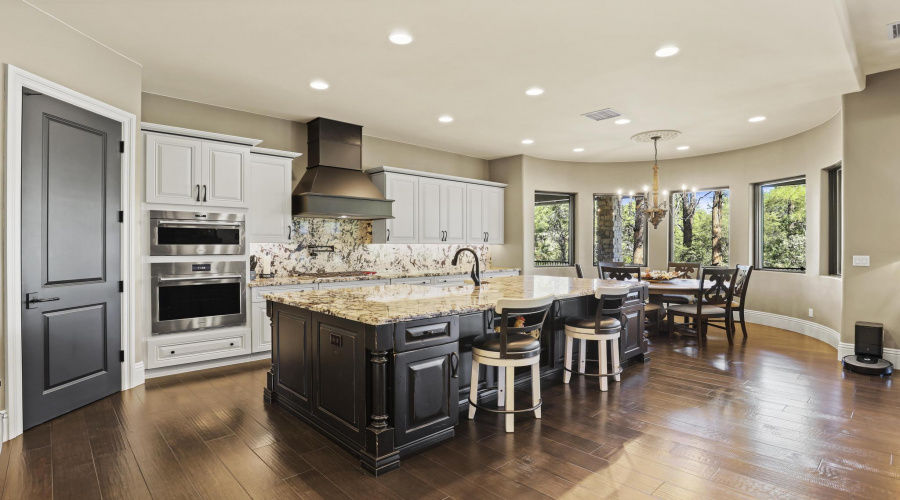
x=384, y=371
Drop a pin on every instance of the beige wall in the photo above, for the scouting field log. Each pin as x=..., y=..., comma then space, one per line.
x=379, y=152
x=779, y=293
x=871, y=187
x=35, y=42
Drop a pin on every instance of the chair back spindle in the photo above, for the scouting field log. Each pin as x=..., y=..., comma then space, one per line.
x=686, y=270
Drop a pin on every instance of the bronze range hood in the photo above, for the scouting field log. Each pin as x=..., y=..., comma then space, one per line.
x=334, y=185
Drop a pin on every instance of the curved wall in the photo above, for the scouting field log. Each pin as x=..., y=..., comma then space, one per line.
x=784, y=294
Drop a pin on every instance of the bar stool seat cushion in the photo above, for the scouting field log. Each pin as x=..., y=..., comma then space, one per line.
x=516, y=343
x=691, y=309
x=589, y=322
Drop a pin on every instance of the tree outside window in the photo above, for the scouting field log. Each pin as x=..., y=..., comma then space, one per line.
x=781, y=225
x=554, y=229
x=700, y=227
x=620, y=230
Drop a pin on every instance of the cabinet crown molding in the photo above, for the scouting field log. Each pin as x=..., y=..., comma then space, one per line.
x=432, y=175
x=198, y=134
x=274, y=152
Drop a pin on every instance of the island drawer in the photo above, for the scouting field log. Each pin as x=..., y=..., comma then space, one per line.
x=418, y=334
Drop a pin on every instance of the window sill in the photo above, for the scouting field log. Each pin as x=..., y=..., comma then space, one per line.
x=786, y=271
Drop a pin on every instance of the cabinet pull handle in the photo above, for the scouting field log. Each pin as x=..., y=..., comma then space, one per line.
x=487, y=236
x=454, y=364
x=290, y=231
x=484, y=236
x=198, y=192
x=388, y=235
x=204, y=193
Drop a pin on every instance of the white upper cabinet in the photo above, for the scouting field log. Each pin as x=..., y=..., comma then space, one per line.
x=434, y=208
x=173, y=169
x=191, y=167
x=270, y=218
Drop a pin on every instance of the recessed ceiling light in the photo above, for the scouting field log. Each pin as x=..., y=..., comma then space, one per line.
x=578, y=150
x=757, y=119
x=527, y=141
x=445, y=119
x=683, y=148
x=535, y=91
x=318, y=84
x=400, y=38
x=622, y=121
x=667, y=51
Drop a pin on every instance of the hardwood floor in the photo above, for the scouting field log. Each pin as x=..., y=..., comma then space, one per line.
x=772, y=417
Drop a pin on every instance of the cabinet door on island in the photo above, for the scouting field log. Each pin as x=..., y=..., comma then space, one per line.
x=426, y=392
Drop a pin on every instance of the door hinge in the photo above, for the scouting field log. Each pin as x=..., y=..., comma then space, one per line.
x=122, y=356
x=121, y=146
x=121, y=286
x=121, y=216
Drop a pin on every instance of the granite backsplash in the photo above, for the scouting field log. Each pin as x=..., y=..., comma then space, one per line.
x=354, y=251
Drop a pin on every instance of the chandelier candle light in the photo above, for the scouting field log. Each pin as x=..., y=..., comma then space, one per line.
x=656, y=212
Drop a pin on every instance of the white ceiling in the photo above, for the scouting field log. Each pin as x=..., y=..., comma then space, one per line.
x=474, y=59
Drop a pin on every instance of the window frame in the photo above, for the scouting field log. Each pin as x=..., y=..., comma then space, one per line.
x=594, y=227
x=835, y=218
x=671, y=235
x=758, y=221
x=572, y=225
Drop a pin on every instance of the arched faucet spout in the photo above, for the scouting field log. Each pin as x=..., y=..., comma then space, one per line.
x=476, y=269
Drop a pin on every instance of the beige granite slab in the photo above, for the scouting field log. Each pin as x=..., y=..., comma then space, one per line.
x=379, y=275
x=378, y=305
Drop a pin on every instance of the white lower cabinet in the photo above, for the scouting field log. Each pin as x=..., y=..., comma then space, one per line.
x=183, y=348
x=261, y=327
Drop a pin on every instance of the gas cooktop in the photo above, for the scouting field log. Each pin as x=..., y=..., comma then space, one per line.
x=333, y=274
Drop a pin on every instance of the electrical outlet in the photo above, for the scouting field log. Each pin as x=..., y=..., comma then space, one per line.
x=810, y=313
x=861, y=260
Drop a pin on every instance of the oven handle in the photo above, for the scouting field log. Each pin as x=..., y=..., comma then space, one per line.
x=163, y=279
x=198, y=223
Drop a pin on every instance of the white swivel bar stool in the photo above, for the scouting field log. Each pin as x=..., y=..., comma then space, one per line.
x=511, y=347
x=604, y=328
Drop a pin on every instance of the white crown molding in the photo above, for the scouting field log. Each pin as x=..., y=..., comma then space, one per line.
x=419, y=173
x=274, y=152
x=200, y=134
x=796, y=325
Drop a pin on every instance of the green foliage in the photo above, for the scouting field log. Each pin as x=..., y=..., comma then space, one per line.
x=701, y=247
x=628, y=207
x=552, y=228
x=784, y=226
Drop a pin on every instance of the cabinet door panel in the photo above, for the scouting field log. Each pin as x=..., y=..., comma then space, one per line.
x=426, y=392
x=493, y=215
x=293, y=375
x=453, y=208
x=404, y=190
x=430, y=227
x=224, y=177
x=261, y=328
x=475, y=214
x=173, y=169
x=339, y=383
x=270, y=200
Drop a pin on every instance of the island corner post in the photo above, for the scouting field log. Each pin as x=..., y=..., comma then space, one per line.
x=386, y=391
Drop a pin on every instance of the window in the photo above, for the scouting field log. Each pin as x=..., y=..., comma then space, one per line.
x=554, y=229
x=700, y=227
x=835, y=219
x=620, y=230
x=781, y=225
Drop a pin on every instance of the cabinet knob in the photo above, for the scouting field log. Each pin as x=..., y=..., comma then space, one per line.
x=173, y=352
x=231, y=344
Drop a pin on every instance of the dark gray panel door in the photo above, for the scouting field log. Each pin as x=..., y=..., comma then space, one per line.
x=70, y=257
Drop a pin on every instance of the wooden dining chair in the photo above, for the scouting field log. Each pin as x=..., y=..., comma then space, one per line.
x=741, y=283
x=601, y=265
x=714, y=301
x=686, y=271
x=578, y=271
x=653, y=317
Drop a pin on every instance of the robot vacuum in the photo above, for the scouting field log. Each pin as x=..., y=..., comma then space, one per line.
x=869, y=351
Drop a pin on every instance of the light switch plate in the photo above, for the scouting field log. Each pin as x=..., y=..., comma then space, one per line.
x=861, y=260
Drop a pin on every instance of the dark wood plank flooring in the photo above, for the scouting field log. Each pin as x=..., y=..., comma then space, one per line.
x=772, y=417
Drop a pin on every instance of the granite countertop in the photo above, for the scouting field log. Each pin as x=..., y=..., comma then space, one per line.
x=379, y=275
x=386, y=304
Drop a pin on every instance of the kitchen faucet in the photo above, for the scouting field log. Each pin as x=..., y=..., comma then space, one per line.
x=476, y=269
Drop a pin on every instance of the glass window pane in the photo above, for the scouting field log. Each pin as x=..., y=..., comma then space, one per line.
x=782, y=224
x=554, y=229
x=700, y=227
x=620, y=230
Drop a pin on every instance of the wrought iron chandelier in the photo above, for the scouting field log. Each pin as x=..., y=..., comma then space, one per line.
x=656, y=212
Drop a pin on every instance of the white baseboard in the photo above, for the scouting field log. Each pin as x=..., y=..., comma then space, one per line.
x=137, y=375
x=801, y=326
x=203, y=365
x=892, y=355
x=4, y=428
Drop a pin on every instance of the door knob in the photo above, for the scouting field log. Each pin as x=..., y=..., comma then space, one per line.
x=31, y=300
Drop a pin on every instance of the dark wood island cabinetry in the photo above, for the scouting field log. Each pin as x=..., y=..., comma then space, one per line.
x=385, y=371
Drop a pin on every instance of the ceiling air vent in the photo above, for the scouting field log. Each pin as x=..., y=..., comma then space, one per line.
x=603, y=114
x=894, y=30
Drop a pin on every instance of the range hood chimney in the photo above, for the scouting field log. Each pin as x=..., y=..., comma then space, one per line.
x=334, y=185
